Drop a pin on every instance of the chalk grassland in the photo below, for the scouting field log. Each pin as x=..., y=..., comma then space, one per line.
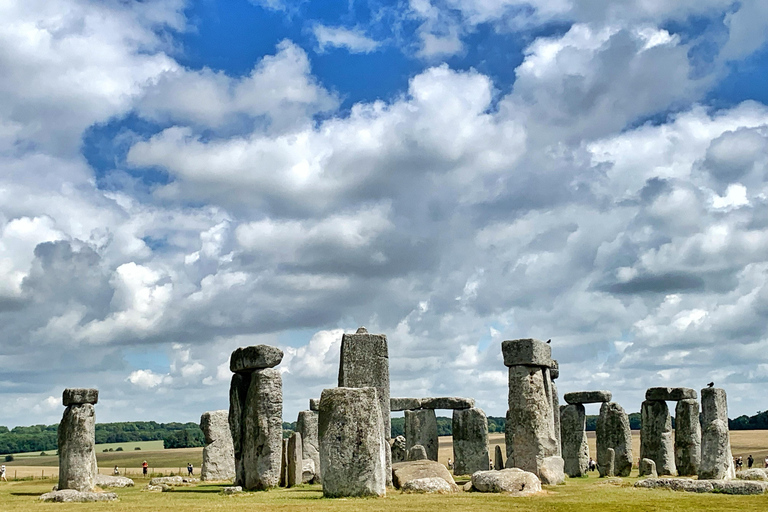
x=144, y=445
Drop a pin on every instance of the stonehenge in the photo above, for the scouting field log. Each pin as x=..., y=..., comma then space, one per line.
x=656, y=441
x=573, y=421
x=421, y=428
x=77, y=440
x=613, y=433
x=218, y=453
x=554, y=373
x=295, y=461
x=530, y=421
x=306, y=425
x=470, y=441
x=716, y=458
x=353, y=448
x=687, y=437
x=256, y=416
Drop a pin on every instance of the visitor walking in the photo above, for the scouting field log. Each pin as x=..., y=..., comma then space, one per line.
x=2, y=472
x=116, y=471
x=189, y=468
x=750, y=461
x=144, y=467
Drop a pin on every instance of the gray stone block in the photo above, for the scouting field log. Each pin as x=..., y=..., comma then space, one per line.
x=263, y=430
x=77, y=448
x=526, y=352
x=404, y=404
x=219, y=451
x=588, y=397
x=648, y=468
x=670, y=394
x=573, y=421
x=257, y=357
x=447, y=402
x=470, y=441
x=306, y=425
x=498, y=458
x=613, y=432
x=238, y=390
x=416, y=452
x=400, y=450
x=79, y=396
x=295, y=461
x=656, y=441
x=421, y=428
x=687, y=438
x=314, y=404
x=554, y=370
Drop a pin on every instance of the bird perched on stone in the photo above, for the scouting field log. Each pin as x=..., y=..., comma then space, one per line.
x=710, y=384
x=549, y=340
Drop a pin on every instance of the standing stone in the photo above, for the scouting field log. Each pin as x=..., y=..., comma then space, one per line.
x=656, y=442
x=610, y=464
x=573, y=421
x=352, y=444
x=399, y=449
x=295, y=461
x=556, y=417
x=421, y=428
x=364, y=362
x=508, y=429
x=498, y=459
x=263, y=430
x=416, y=452
x=306, y=425
x=238, y=390
x=648, y=468
x=219, y=452
x=687, y=437
x=716, y=456
x=284, y=464
x=613, y=432
x=77, y=441
x=470, y=441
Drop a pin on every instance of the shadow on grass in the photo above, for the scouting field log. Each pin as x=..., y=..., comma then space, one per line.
x=27, y=493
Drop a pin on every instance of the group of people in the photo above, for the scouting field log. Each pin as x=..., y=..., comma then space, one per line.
x=739, y=462
x=144, y=469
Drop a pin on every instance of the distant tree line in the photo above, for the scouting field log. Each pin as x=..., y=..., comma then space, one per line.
x=44, y=437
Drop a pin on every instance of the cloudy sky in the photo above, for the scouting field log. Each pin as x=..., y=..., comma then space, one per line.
x=179, y=178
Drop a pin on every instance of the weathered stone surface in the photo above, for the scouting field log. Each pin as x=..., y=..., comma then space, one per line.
x=530, y=421
x=109, y=481
x=588, y=397
x=74, y=496
x=308, y=471
x=613, y=431
x=498, y=458
x=551, y=471
x=526, y=352
x=687, y=437
x=263, y=430
x=399, y=449
x=238, y=390
x=470, y=441
x=314, y=404
x=258, y=357
x=648, y=468
x=421, y=428
x=219, y=451
x=739, y=487
x=79, y=396
x=416, y=452
x=306, y=425
x=447, y=402
x=77, y=453
x=716, y=456
x=404, y=404
x=404, y=472
x=428, y=486
x=752, y=474
x=670, y=394
x=295, y=458
x=352, y=444
x=573, y=421
x=676, y=484
x=284, y=464
x=554, y=370
x=232, y=490
x=656, y=441
x=609, y=468
x=509, y=428
x=556, y=417
x=512, y=480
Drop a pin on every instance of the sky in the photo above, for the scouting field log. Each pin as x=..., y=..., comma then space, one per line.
x=180, y=178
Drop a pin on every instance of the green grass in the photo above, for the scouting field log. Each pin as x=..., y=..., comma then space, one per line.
x=128, y=458
x=131, y=446
x=578, y=495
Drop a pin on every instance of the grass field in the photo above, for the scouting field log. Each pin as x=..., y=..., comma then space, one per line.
x=143, y=445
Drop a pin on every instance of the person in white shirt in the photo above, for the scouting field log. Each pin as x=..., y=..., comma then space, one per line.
x=2, y=472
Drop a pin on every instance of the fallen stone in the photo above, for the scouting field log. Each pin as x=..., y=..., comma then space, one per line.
x=421, y=429
x=739, y=486
x=306, y=425
x=106, y=481
x=687, y=437
x=353, y=448
x=428, y=486
x=219, y=451
x=752, y=474
x=74, y=496
x=613, y=431
x=258, y=357
x=512, y=480
x=648, y=468
x=551, y=471
x=676, y=484
x=417, y=452
x=498, y=458
x=526, y=352
x=79, y=396
x=399, y=449
x=404, y=404
x=447, y=402
x=467, y=487
x=173, y=480
x=470, y=441
x=656, y=437
x=232, y=490
x=671, y=394
x=404, y=472
x=588, y=397
x=156, y=488
x=575, y=450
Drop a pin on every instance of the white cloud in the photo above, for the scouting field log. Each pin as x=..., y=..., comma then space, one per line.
x=146, y=379
x=353, y=40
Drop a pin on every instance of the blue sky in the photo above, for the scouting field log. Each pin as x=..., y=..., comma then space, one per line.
x=180, y=178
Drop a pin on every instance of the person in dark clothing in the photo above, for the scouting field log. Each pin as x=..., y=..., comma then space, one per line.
x=750, y=461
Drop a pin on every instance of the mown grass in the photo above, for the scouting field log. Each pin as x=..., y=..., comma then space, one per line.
x=578, y=495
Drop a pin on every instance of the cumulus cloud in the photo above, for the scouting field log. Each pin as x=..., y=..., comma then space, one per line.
x=353, y=40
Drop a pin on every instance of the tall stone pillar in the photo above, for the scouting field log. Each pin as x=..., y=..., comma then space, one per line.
x=219, y=453
x=352, y=445
x=716, y=456
x=687, y=437
x=656, y=441
x=256, y=416
x=554, y=373
x=470, y=441
x=421, y=428
x=294, y=461
x=77, y=440
x=533, y=443
x=613, y=433
x=573, y=422
x=364, y=361
x=306, y=425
